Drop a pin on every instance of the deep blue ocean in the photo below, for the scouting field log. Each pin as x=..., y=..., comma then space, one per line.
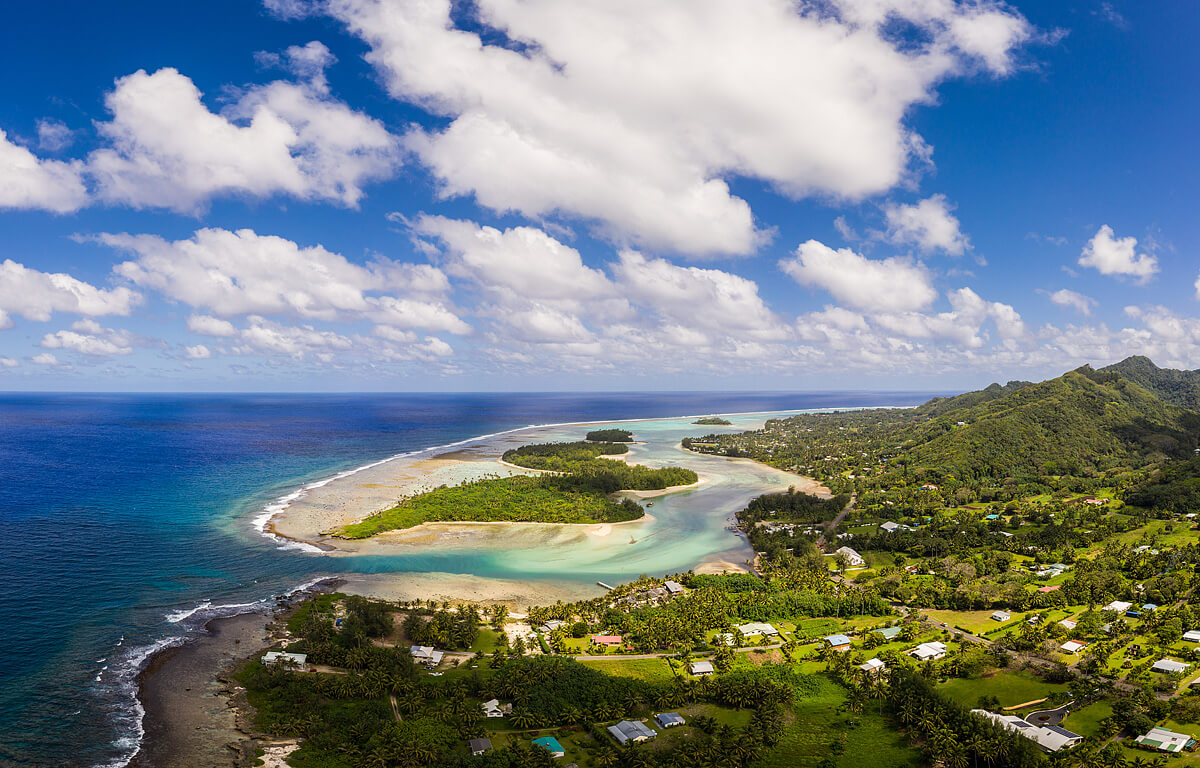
x=120, y=515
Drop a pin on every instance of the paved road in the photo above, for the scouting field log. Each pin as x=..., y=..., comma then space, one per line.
x=671, y=655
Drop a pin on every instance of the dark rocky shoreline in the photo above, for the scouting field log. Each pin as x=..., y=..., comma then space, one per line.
x=197, y=715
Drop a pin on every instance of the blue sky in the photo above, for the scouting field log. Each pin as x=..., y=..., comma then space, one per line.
x=530, y=195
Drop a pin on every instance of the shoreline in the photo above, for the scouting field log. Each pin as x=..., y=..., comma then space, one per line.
x=193, y=714
x=266, y=522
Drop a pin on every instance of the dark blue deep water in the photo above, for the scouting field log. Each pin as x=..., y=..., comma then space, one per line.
x=119, y=513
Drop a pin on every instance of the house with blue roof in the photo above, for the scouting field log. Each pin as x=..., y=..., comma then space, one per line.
x=838, y=642
x=552, y=746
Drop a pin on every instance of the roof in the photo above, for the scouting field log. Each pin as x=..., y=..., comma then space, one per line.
x=673, y=586
x=273, y=656
x=479, y=745
x=925, y=650
x=836, y=640
x=1073, y=646
x=757, y=628
x=1051, y=738
x=550, y=743
x=1169, y=665
x=607, y=638
x=848, y=552
x=889, y=632
x=631, y=730
x=426, y=652
x=1164, y=740
x=701, y=667
x=1117, y=605
x=1001, y=615
x=668, y=719
x=872, y=665
x=1192, y=635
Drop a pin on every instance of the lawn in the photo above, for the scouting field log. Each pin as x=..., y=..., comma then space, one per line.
x=816, y=722
x=1011, y=688
x=650, y=670
x=1086, y=721
x=485, y=641
x=975, y=622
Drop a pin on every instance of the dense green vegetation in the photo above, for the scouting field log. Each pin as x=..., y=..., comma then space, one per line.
x=1181, y=388
x=508, y=499
x=1083, y=424
x=610, y=435
x=582, y=469
x=714, y=421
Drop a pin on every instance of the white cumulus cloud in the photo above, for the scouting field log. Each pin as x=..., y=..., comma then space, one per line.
x=243, y=272
x=705, y=298
x=89, y=338
x=1111, y=255
x=1065, y=297
x=525, y=260
x=929, y=225
x=890, y=285
x=634, y=113
x=29, y=182
x=37, y=295
x=167, y=149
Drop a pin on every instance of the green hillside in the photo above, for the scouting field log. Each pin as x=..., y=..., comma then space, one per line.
x=1181, y=388
x=1083, y=421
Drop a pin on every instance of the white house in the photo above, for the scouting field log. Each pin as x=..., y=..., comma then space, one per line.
x=1192, y=636
x=1001, y=616
x=853, y=559
x=427, y=654
x=1050, y=738
x=1165, y=741
x=286, y=659
x=1168, y=666
x=494, y=708
x=1068, y=623
x=929, y=651
x=1073, y=646
x=1120, y=606
x=757, y=628
x=891, y=527
x=872, y=667
x=674, y=587
x=702, y=668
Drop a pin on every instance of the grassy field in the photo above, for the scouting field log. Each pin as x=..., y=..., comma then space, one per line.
x=652, y=670
x=1086, y=721
x=1010, y=688
x=816, y=722
x=486, y=640
x=975, y=622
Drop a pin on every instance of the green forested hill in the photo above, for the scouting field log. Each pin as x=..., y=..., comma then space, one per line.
x=1176, y=387
x=1080, y=422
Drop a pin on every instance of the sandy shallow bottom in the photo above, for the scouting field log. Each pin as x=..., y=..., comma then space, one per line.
x=684, y=528
x=517, y=595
